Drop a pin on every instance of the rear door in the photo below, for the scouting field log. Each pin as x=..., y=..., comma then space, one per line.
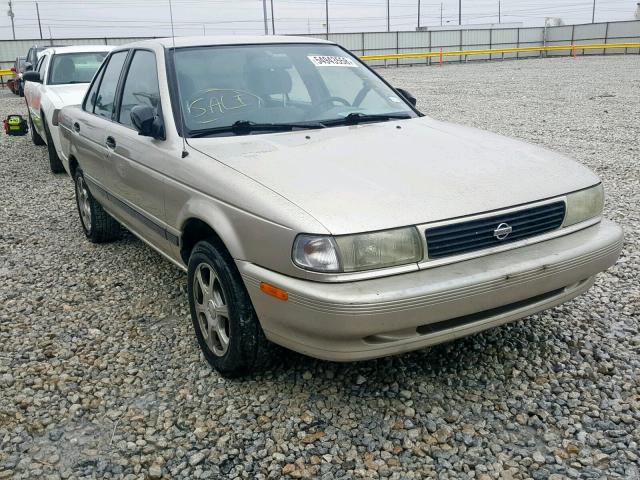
x=134, y=175
x=90, y=128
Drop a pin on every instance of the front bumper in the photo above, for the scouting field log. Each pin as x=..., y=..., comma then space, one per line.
x=390, y=315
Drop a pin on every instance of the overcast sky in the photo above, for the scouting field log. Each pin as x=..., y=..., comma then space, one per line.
x=99, y=18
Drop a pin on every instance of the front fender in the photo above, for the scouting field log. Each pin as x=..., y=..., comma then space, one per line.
x=247, y=235
x=217, y=216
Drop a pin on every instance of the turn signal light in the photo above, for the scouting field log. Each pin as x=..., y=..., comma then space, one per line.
x=274, y=291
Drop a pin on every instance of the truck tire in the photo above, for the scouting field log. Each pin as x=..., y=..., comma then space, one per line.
x=35, y=137
x=54, y=160
x=225, y=323
x=98, y=225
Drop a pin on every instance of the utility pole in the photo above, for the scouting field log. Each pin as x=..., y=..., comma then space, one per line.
x=441, y=7
x=11, y=15
x=418, y=14
x=388, y=16
x=326, y=12
x=499, y=13
x=273, y=21
x=264, y=13
x=593, y=13
x=39, y=24
x=459, y=12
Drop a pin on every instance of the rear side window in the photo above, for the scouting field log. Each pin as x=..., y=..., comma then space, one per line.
x=141, y=86
x=104, y=99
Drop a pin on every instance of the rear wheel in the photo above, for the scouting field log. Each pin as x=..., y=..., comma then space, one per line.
x=54, y=160
x=98, y=225
x=35, y=137
x=226, y=325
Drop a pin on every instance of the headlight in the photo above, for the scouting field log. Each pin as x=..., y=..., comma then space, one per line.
x=352, y=253
x=584, y=205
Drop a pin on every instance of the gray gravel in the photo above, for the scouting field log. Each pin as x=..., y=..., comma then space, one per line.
x=100, y=375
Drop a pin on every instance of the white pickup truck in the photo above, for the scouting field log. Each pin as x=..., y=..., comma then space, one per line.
x=61, y=77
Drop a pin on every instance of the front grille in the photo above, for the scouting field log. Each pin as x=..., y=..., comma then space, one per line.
x=473, y=235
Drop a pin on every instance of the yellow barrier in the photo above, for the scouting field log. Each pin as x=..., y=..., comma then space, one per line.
x=498, y=51
x=5, y=72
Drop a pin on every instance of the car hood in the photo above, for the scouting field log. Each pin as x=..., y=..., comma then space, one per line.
x=68, y=94
x=391, y=174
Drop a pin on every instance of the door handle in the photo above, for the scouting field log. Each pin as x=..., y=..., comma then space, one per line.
x=111, y=142
x=76, y=127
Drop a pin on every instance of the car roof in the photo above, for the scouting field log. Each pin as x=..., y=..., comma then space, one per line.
x=77, y=49
x=202, y=41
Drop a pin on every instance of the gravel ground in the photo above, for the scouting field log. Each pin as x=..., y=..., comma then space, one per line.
x=101, y=377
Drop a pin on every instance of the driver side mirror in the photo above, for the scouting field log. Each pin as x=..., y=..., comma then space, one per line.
x=31, y=76
x=407, y=96
x=146, y=121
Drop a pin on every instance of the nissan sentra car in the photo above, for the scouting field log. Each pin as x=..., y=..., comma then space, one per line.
x=61, y=77
x=313, y=206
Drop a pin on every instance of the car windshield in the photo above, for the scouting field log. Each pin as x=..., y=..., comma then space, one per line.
x=74, y=67
x=279, y=84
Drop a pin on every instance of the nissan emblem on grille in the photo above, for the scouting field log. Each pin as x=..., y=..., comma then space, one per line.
x=502, y=231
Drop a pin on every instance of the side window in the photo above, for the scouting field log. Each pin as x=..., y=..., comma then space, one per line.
x=141, y=86
x=40, y=66
x=104, y=100
x=90, y=99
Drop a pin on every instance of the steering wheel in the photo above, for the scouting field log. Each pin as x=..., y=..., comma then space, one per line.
x=329, y=102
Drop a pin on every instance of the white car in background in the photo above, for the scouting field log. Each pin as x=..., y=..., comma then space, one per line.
x=60, y=78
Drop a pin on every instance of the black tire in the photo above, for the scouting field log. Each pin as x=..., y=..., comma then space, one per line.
x=35, y=137
x=98, y=225
x=54, y=160
x=248, y=350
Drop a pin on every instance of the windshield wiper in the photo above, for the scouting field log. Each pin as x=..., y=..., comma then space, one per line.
x=357, y=117
x=244, y=127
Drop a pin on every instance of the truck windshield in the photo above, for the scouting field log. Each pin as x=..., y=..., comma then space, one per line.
x=74, y=67
x=274, y=84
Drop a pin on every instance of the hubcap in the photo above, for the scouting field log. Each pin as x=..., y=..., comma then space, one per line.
x=211, y=309
x=84, y=206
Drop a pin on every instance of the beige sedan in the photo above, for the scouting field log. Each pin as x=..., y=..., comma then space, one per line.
x=313, y=206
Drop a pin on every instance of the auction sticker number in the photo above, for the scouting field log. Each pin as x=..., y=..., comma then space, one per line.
x=331, y=61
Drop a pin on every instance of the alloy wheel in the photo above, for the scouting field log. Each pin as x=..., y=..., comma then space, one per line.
x=211, y=309
x=84, y=204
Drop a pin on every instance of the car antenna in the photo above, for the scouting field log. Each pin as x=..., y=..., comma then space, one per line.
x=173, y=40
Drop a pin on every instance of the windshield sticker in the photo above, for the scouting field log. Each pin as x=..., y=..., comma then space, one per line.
x=210, y=105
x=331, y=61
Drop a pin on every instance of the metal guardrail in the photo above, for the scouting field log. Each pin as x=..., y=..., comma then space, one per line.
x=493, y=51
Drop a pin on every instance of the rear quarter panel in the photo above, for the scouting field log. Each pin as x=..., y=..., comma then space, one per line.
x=65, y=121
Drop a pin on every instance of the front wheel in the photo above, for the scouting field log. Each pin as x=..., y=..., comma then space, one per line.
x=98, y=225
x=225, y=323
x=54, y=160
x=35, y=136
